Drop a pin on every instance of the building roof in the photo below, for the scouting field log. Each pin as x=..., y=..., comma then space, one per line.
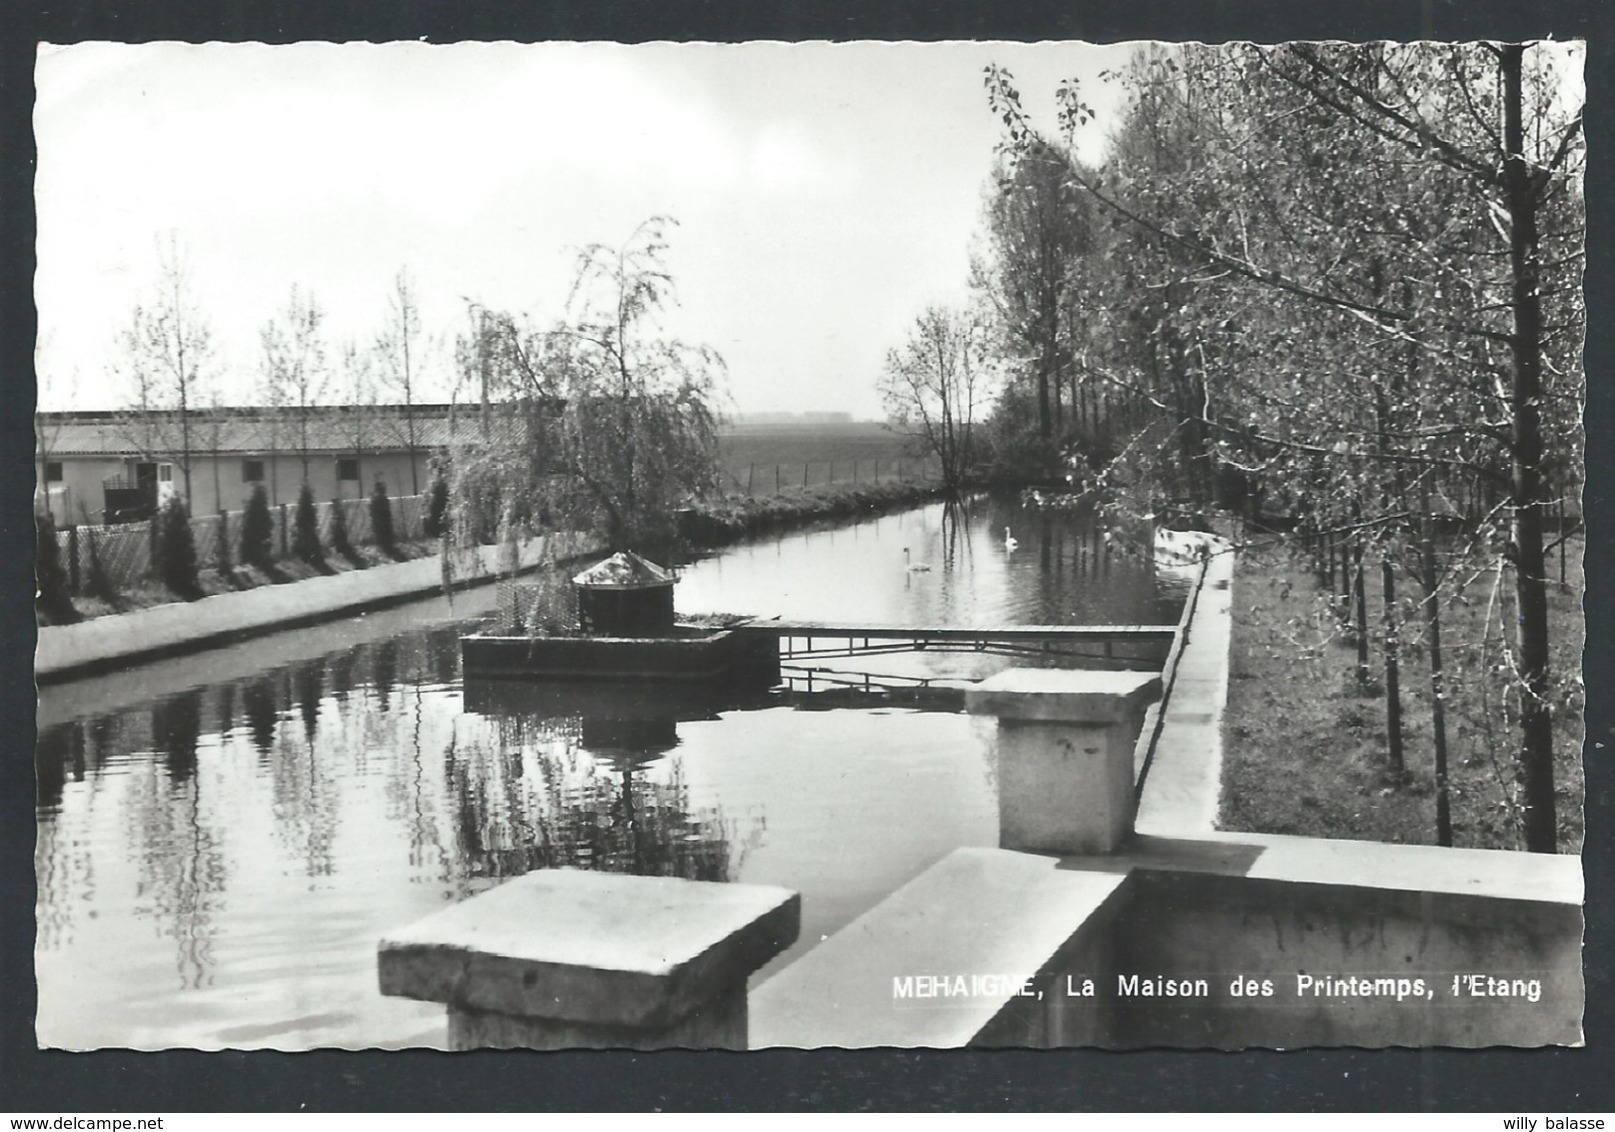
x=624, y=570
x=332, y=429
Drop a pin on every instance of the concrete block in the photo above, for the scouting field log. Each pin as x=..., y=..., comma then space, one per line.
x=1044, y=694
x=563, y=957
x=966, y=953
x=1064, y=747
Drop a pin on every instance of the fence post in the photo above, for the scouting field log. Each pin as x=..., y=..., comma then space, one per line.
x=776, y=479
x=73, y=558
x=285, y=543
x=804, y=474
x=877, y=469
x=751, y=470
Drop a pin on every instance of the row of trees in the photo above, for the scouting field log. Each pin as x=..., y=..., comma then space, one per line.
x=593, y=417
x=1336, y=284
x=169, y=365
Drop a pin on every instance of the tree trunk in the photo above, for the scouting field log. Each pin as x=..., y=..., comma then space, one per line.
x=1438, y=691
x=1359, y=593
x=1393, y=673
x=1536, y=721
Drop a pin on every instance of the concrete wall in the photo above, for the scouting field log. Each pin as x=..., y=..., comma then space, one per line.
x=1191, y=925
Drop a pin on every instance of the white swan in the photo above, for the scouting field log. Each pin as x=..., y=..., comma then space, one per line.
x=1010, y=542
x=915, y=567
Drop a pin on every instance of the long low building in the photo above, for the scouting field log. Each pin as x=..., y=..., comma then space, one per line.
x=110, y=467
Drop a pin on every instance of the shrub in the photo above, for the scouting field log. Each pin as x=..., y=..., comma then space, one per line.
x=97, y=582
x=55, y=599
x=339, y=529
x=176, y=548
x=257, y=530
x=381, y=516
x=306, y=529
x=436, y=522
x=221, y=546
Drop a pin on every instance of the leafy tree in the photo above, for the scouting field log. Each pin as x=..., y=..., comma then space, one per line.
x=936, y=386
x=1365, y=264
x=176, y=563
x=306, y=528
x=607, y=424
x=54, y=600
x=257, y=530
x=381, y=516
x=1040, y=230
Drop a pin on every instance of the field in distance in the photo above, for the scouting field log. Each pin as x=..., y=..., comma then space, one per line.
x=755, y=450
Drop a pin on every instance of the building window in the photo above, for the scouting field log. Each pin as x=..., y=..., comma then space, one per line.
x=347, y=469
x=165, y=473
x=252, y=471
x=53, y=471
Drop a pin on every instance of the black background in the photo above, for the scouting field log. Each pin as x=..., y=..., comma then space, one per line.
x=52, y=1082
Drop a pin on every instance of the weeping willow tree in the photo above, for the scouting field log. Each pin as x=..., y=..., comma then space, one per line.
x=602, y=424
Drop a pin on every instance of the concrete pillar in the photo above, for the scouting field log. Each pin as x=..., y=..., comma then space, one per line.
x=563, y=958
x=1065, y=755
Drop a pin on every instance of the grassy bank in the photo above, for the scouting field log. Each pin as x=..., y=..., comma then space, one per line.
x=211, y=581
x=1305, y=746
x=737, y=516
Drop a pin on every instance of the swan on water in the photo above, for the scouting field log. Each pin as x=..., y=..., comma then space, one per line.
x=914, y=567
x=1010, y=541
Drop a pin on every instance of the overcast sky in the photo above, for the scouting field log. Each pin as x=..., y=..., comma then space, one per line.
x=825, y=193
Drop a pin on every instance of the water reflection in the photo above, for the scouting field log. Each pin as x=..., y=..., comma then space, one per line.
x=218, y=856
x=588, y=780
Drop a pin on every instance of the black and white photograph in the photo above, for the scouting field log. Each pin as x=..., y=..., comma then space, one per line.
x=813, y=545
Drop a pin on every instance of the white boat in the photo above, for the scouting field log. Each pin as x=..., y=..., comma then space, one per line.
x=1182, y=551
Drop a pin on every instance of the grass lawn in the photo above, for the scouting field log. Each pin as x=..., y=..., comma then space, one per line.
x=1305, y=747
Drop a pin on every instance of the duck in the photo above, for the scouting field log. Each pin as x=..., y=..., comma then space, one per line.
x=1010, y=542
x=915, y=567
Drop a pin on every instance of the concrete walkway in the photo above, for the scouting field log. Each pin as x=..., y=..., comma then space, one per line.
x=1183, y=781
x=115, y=641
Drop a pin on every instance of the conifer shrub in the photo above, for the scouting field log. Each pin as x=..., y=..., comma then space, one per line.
x=381, y=517
x=176, y=549
x=55, y=598
x=306, y=529
x=97, y=582
x=340, y=541
x=257, y=530
x=436, y=521
x=221, y=547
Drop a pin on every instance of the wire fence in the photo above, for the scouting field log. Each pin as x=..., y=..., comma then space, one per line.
x=122, y=554
x=756, y=478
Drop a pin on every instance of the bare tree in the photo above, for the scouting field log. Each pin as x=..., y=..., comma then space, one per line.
x=167, y=359
x=936, y=385
x=359, y=394
x=294, y=363
x=399, y=348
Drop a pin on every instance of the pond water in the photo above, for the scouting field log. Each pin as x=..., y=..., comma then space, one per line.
x=224, y=838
